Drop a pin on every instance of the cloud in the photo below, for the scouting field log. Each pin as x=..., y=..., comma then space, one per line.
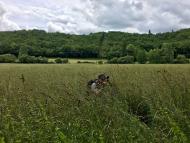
x=85, y=16
x=54, y=28
x=5, y=23
x=118, y=14
x=2, y=10
x=166, y=15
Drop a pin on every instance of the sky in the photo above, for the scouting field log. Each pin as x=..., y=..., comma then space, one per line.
x=88, y=16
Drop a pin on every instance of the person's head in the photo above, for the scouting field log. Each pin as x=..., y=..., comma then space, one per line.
x=103, y=78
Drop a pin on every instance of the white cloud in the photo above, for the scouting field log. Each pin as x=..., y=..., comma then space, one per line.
x=5, y=23
x=85, y=16
x=53, y=27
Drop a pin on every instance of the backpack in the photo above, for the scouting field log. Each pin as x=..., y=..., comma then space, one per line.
x=90, y=82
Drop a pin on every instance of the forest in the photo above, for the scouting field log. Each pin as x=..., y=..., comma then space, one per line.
x=117, y=47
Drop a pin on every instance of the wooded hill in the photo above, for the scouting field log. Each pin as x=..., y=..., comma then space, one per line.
x=98, y=45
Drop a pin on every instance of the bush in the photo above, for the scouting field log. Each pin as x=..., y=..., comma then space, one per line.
x=58, y=60
x=181, y=59
x=126, y=60
x=26, y=59
x=113, y=61
x=100, y=62
x=85, y=62
x=122, y=60
x=41, y=60
x=61, y=61
x=65, y=61
x=7, y=58
x=32, y=59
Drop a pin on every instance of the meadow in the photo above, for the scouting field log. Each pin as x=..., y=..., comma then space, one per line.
x=50, y=103
x=75, y=61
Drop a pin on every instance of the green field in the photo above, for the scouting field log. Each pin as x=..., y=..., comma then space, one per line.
x=49, y=103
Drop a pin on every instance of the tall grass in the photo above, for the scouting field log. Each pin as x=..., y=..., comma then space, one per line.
x=50, y=103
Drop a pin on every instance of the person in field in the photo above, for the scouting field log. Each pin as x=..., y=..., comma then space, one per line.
x=96, y=86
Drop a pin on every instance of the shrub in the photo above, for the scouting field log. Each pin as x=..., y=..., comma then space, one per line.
x=126, y=60
x=7, y=58
x=85, y=62
x=32, y=59
x=65, y=61
x=113, y=61
x=100, y=62
x=181, y=59
x=58, y=60
x=61, y=61
x=122, y=60
x=25, y=59
x=41, y=60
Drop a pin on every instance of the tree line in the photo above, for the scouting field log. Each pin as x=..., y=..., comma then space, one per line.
x=117, y=47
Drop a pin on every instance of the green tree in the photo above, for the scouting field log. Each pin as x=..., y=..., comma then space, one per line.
x=154, y=56
x=131, y=50
x=167, y=53
x=114, y=52
x=141, y=56
x=23, y=51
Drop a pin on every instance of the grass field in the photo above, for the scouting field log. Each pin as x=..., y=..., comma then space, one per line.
x=49, y=103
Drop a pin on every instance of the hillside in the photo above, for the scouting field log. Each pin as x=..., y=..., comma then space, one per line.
x=40, y=43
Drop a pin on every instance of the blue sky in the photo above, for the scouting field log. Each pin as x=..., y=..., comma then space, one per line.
x=85, y=16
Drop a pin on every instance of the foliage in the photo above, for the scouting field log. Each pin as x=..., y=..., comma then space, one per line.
x=7, y=58
x=122, y=60
x=61, y=61
x=86, y=62
x=58, y=60
x=181, y=59
x=167, y=53
x=95, y=45
x=131, y=50
x=141, y=56
x=113, y=61
x=126, y=60
x=32, y=59
x=100, y=62
x=154, y=56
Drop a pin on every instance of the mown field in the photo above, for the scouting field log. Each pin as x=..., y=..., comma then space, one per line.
x=75, y=61
x=50, y=103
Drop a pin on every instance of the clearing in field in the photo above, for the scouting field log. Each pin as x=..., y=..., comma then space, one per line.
x=77, y=61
